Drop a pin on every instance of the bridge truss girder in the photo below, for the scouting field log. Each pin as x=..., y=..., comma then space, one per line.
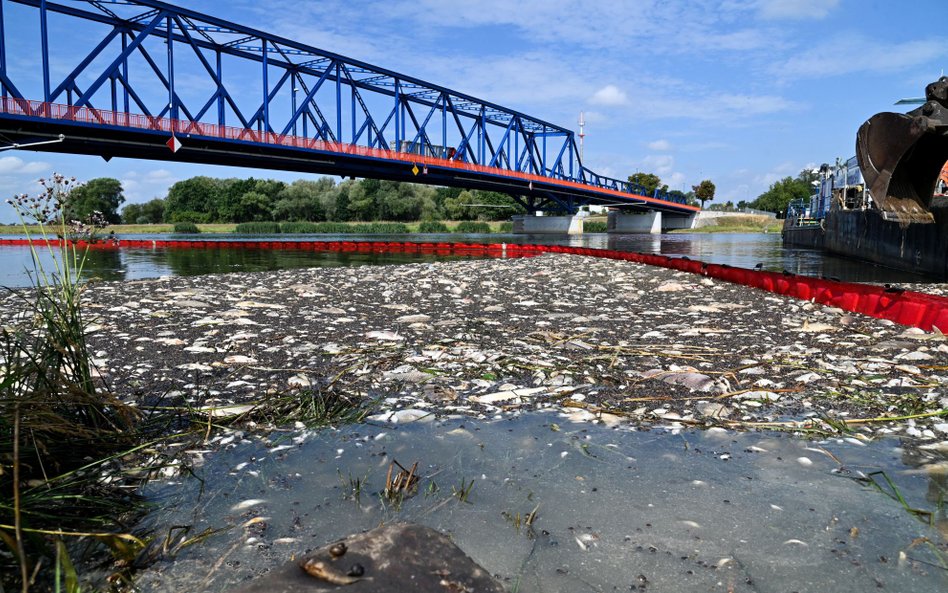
x=167, y=62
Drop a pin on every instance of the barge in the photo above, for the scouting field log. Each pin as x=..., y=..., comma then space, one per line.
x=887, y=204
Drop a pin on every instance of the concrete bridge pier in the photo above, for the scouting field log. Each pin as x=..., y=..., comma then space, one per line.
x=652, y=222
x=547, y=225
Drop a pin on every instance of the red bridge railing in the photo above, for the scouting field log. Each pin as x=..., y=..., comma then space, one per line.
x=90, y=115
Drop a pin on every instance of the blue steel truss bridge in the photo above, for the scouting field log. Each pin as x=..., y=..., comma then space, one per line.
x=145, y=79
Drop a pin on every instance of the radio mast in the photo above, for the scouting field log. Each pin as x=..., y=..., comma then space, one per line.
x=582, y=133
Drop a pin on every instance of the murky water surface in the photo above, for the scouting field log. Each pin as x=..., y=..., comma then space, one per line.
x=734, y=249
x=615, y=509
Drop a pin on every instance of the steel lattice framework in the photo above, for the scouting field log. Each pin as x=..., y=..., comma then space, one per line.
x=121, y=77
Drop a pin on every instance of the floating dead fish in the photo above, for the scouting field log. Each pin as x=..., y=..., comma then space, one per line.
x=246, y=504
x=239, y=359
x=385, y=336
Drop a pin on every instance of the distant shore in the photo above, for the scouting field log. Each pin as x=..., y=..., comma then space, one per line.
x=730, y=224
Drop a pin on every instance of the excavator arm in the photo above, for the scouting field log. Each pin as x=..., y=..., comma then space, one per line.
x=903, y=156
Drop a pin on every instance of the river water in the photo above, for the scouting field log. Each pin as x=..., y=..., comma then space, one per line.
x=735, y=249
x=615, y=509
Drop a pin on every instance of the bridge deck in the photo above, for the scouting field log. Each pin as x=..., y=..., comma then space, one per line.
x=110, y=134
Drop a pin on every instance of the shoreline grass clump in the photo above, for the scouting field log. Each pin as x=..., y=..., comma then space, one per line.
x=595, y=226
x=55, y=410
x=432, y=226
x=186, y=227
x=258, y=228
x=472, y=227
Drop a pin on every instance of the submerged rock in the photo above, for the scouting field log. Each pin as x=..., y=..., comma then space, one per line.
x=397, y=557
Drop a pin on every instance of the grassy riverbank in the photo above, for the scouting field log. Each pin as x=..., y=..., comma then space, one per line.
x=729, y=224
x=223, y=228
x=738, y=224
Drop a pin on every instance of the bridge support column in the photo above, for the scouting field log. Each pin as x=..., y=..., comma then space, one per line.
x=679, y=221
x=547, y=225
x=635, y=222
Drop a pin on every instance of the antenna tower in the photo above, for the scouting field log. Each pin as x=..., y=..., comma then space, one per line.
x=582, y=133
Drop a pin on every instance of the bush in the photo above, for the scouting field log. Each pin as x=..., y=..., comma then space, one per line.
x=299, y=227
x=470, y=226
x=432, y=226
x=258, y=228
x=505, y=227
x=595, y=226
x=379, y=228
x=186, y=227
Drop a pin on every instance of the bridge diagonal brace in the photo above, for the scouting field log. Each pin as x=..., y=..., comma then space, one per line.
x=70, y=80
x=497, y=154
x=421, y=133
x=365, y=109
x=465, y=146
x=257, y=117
x=133, y=95
x=124, y=55
x=391, y=114
x=465, y=136
x=166, y=83
x=309, y=101
x=221, y=88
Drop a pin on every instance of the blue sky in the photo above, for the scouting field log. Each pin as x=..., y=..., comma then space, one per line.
x=743, y=92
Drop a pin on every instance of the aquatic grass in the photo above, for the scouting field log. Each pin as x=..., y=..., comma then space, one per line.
x=352, y=486
x=312, y=407
x=186, y=227
x=892, y=491
x=471, y=227
x=595, y=226
x=463, y=491
x=432, y=226
x=258, y=228
x=340, y=228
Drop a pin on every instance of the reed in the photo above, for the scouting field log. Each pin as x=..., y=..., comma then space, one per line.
x=432, y=226
x=54, y=409
x=186, y=227
x=258, y=228
x=472, y=226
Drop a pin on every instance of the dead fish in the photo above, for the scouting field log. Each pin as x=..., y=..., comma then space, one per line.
x=322, y=571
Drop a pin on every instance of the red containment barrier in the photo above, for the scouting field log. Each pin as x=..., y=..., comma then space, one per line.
x=904, y=307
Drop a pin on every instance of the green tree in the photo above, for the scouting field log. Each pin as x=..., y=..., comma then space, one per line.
x=153, y=211
x=131, y=213
x=194, y=200
x=704, y=191
x=102, y=194
x=782, y=192
x=361, y=205
x=305, y=199
x=341, y=211
x=253, y=207
x=649, y=181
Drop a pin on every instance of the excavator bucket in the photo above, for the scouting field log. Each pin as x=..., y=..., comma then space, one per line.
x=902, y=156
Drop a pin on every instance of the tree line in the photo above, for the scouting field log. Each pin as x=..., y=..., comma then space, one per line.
x=211, y=200
x=204, y=199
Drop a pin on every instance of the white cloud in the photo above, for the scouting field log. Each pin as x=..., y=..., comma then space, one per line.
x=849, y=53
x=138, y=187
x=660, y=164
x=12, y=165
x=795, y=9
x=609, y=95
x=660, y=145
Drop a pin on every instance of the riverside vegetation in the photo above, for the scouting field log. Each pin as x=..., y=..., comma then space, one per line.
x=72, y=452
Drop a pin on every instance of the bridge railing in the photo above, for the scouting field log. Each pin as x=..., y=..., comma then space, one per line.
x=93, y=116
